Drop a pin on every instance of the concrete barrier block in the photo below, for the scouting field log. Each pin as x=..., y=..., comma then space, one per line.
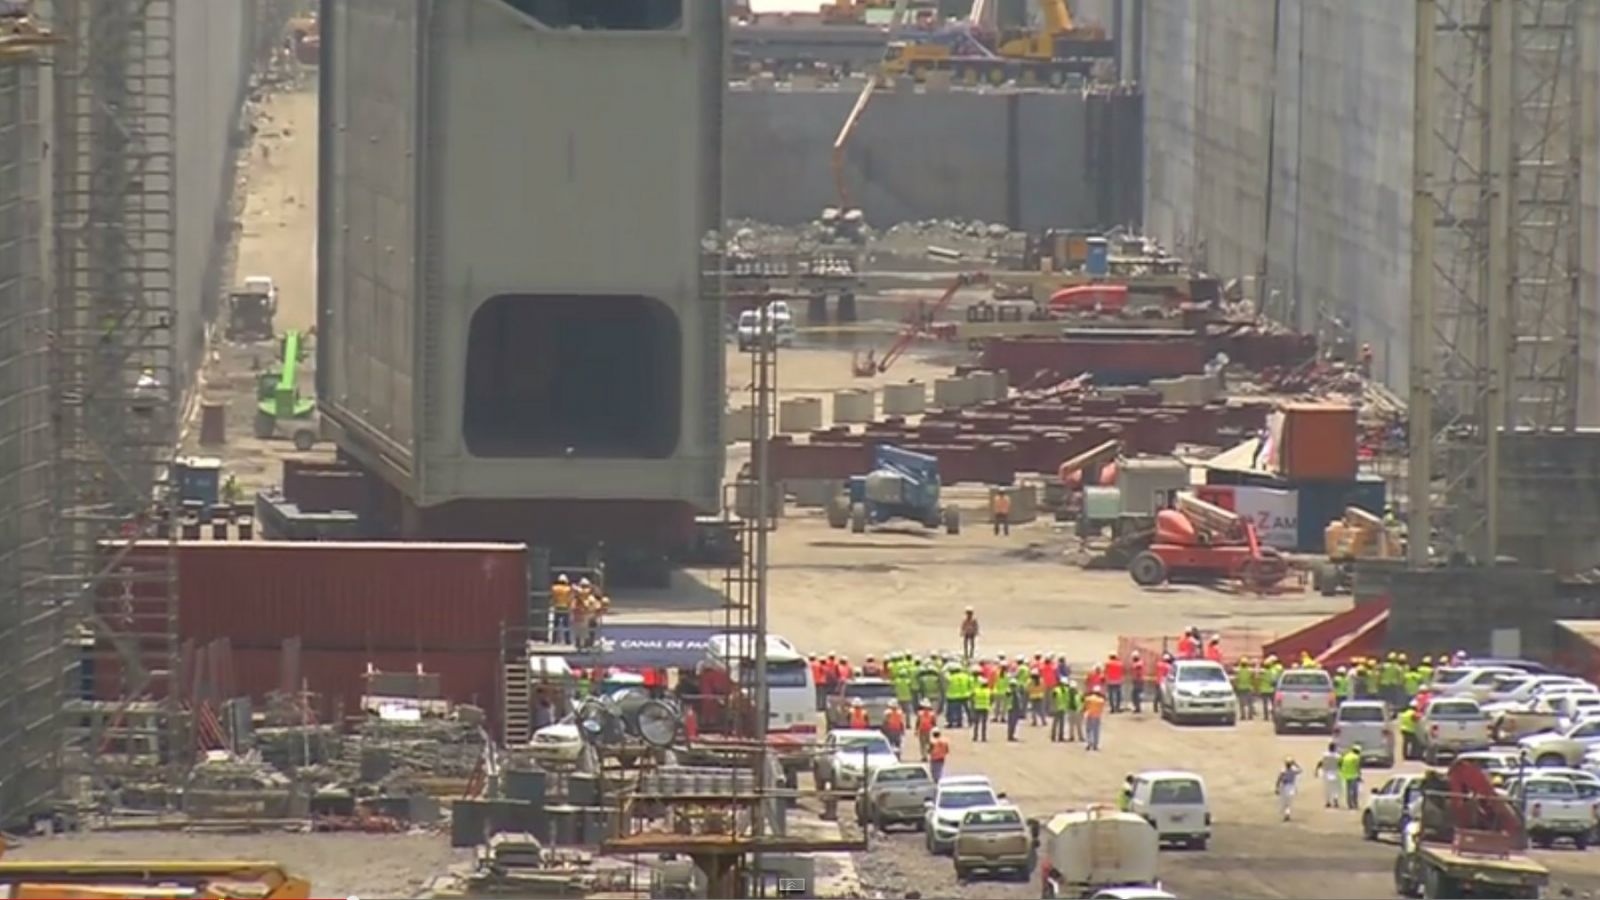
x=739, y=425
x=952, y=393
x=986, y=386
x=853, y=407
x=907, y=399
x=813, y=493
x=799, y=415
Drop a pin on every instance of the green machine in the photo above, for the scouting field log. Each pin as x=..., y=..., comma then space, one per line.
x=278, y=398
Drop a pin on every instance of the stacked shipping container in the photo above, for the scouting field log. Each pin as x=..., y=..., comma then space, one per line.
x=394, y=606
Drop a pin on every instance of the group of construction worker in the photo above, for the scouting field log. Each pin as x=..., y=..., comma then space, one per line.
x=576, y=612
x=1392, y=679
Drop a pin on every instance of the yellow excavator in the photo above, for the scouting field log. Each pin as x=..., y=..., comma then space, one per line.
x=137, y=880
x=1357, y=535
x=1050, y=54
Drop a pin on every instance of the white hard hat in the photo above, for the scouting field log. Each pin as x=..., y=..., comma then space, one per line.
x=561, y=578
x=969, y=609
x=583, y=582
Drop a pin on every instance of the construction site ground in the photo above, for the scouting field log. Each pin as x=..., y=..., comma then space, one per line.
x=832, y=591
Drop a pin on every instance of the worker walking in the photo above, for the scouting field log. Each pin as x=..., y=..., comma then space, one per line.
x=938, y=752
x=1094, y=709
x=894, y=725
x=1285, y=787
x=1328, y=768
x=1350, y=774
x=969, y=636
x=1244, y=687
x=561, y=611
x=1136, y=671
x=925, y=726
x=982, y=701
x=1408, y=733
x=1058, y=713
x=1114, y=675
x=1074, y=713
x=958, y=693
x=1000, y=511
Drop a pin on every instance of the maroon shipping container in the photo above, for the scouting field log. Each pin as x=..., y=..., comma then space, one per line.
x=352, y=596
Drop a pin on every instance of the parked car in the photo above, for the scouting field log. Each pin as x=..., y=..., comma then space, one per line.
x=1198, y=689
x=896, y=794
x=1175, y=803
x=1304, y=698
x=1451, y=726
x=849, y=755
x=1386, y=805
x=1476, y=682
x=1562, y=748
x=1513, y=720
x=995, y=839
x=1365, y=723
x=1521, y=665
x=779, y=326
x=951, y=799
x=1133, y=893
x=558, y=745
x=874, y=694
x=1554, y=810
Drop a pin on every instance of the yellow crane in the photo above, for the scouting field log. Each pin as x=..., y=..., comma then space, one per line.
x=1050, y=54
x=21, y=33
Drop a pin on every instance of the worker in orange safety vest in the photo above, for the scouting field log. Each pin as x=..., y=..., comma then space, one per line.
x=1114, y=675
x=1136, y=676
x=925, y=725
x=858, y=715
x=938, y=752
x=894, y=724
x=1214, y=650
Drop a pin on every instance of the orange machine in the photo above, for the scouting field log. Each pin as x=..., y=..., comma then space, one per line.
x=127, y=879
x=918, y=323
x=1200, y=540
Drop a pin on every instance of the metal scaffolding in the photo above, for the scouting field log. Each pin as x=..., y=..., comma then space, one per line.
x=1495, y=254
x=114, y=375
x=29, y=622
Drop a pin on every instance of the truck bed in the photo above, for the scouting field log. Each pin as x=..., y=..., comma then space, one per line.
x=1515, y=868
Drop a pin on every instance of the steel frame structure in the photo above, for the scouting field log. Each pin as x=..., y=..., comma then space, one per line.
x=30, y=624
x=116, y=397
x=1495, y=255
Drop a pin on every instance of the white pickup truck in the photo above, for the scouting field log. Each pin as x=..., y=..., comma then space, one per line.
x=1554, y=810
x=1453, y=725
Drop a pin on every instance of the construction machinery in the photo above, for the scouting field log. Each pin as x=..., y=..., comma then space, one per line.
x=902, y=485
x=1098, y=849
x=21, y=31
x=975, y=52
x=132, y=879
x=1358, y=535
x=251, y=310
x=875, y=80
x=918, y=323
x=1196, y=540
x=1462, y=838
x=278, y=398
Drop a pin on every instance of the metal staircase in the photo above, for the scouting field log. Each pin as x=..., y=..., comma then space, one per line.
x=516, y=706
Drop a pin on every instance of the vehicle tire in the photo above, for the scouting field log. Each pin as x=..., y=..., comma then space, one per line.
x=952, y=520
x=839, y=512
x=1369, y=826
x=304, y=439
x=1327, y=727
x=919, y=72
x=1540, y=839
x=1278, y=727
x=265, y=426
x=1147, y=570
x=1231, y=721
x=1580, y=841
x=858, y=518
x=1199, y=843
x=1436, y=886
x=1549, y=760
x=791, y=779
x=961, y=872
x=1430, y=756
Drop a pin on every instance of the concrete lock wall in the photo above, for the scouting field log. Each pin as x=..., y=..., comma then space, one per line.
x=799, y=415
x=1288, y=150
x=1018, y=157
x=215, y=42
x=906, y=399
x=853, y=406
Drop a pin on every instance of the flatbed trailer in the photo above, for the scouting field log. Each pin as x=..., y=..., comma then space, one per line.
x=1432, y=870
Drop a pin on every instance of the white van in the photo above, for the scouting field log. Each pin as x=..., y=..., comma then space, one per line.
x=1175, y=803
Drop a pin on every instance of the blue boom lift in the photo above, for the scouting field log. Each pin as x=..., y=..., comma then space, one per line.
x=901, y=485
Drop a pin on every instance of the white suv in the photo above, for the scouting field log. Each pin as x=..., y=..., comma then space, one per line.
x=1198, y=689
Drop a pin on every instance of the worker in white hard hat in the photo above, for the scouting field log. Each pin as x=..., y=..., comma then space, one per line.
x=1285, y=787
x=858, y=714
x=969, y=636
x=561, y=611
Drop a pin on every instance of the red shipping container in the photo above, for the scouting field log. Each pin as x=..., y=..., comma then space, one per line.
x=1319, y=442
x=352, y=596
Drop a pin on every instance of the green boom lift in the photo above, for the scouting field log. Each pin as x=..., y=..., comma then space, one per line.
x=278, y=398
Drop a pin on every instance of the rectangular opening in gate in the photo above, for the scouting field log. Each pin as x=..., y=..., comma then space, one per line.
x=565, y=375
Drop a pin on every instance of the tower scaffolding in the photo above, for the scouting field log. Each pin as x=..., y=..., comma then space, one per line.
x=114, y=373
x=1495, y=293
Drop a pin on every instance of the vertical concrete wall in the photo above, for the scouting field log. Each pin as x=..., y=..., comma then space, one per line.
x=1588, y=129
x=1024, y=158
x=1278, y=136
x=29, y=686
x=215, y=50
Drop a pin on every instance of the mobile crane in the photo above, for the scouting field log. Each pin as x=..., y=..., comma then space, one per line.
x=974, y=52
